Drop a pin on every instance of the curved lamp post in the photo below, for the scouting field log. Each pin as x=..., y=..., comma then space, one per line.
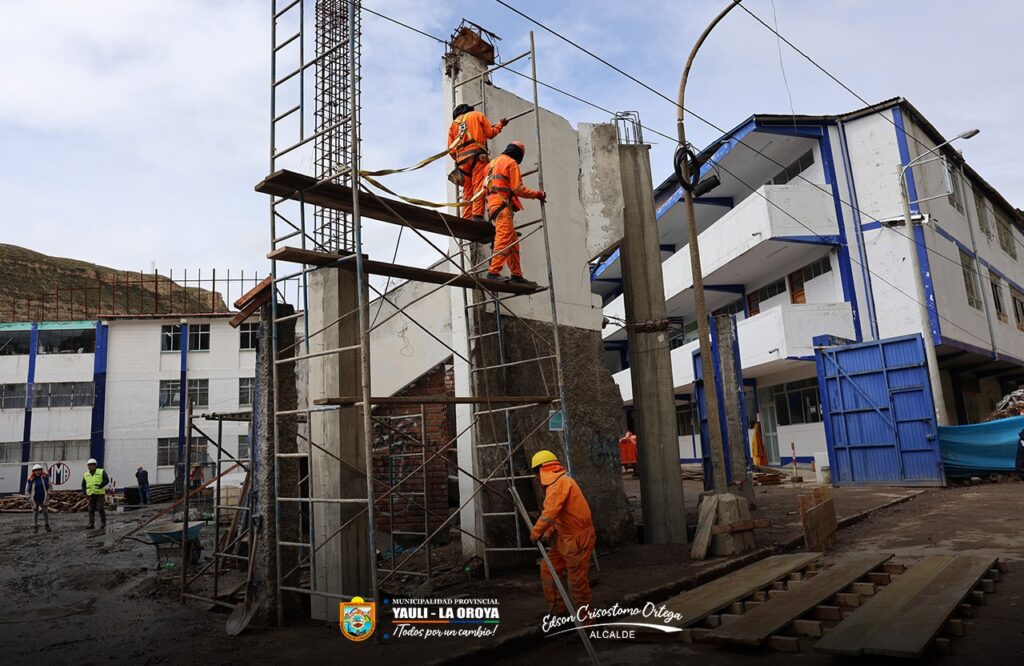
x=686, y=163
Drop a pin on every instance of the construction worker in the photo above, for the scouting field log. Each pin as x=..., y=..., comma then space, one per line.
x=94, y=483
x=38, y=490
x=504, y=188
x=196, y=478
x=142, y=476
x=470, y=155
x=567, y=513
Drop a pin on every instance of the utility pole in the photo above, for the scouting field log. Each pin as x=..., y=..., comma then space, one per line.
x=686, y=163
x=650, y=362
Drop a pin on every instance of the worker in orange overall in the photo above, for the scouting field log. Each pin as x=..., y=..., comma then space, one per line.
x=567, y=513
x=504, y=188
x=470, y=155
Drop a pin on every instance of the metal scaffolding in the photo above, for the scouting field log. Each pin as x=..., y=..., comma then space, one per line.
x=502, y=420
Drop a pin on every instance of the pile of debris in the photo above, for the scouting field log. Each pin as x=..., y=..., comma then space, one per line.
x=1012, y=404
x=61, y=501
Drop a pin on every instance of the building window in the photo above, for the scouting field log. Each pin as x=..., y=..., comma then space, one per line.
x=170, y=337
x=1018, y=308
x=199, y=392
x=15, y=343
x=248, y=334
x=956, y=187
x=10, y=452
x=169, y=392
x=796, y=402
x=62, y=394
x=755, y=298
x=794, y=169
x=75, y=341
x=997, y=295
x=60, y=449
x=687, y=334
x=246, y=391
x=686, y=420
x=734, y=308
x=243, y=447
x=1005, y=233
x=971, y=280
x=12, y=396
x=199, y=337
x=167, y=451
x=983, y=222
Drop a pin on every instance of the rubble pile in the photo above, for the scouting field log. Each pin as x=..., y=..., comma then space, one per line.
x=1012, y=404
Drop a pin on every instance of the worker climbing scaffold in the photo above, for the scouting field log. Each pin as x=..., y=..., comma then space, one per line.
x=467, y=141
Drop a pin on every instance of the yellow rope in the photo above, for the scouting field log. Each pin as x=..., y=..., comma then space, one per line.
x=422, y=202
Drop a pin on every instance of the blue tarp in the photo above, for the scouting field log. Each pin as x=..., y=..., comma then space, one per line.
x=981, y=448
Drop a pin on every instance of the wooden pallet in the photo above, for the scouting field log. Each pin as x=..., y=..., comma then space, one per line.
x=904, y=618
x=782, y=610
x=701, y=602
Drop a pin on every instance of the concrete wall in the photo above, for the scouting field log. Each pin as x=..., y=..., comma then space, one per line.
x=600, y=186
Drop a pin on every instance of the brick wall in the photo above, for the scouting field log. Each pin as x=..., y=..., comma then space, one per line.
x=397, y=455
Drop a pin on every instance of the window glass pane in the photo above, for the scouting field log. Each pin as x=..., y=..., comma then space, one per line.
x=170, y=337
x=246, y=391
x=199, y=392
x=782, y=409
x=243, y=447
x=199, y=337
x=12, y=396
x=170, y=390
x=248, y=334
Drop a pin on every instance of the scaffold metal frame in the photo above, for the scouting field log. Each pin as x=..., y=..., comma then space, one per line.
x=335, y=239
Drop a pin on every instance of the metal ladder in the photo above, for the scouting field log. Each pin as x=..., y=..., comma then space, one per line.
x=497, y=456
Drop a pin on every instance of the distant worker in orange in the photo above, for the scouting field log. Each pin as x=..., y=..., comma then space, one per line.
x=504, y=188
x=470, y=154
x=567, y=513
x=627, y=451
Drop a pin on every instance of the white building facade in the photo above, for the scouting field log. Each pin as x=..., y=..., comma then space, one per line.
x=805, y=237
x=116, y=390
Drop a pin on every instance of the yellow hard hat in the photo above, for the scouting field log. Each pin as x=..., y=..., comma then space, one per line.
x=541, y=457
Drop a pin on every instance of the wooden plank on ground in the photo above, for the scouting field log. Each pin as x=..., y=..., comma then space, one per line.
x=291, y=185
x=906, y=615
x=705, y=522
x=755, y=626
x=820, y=526
x=700, y=602
x=742, y=525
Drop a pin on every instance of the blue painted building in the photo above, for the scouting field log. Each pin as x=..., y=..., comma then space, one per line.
x=805, y=237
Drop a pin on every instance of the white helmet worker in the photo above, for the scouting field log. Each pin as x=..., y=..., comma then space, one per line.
x=36, y=466
x=91, y=461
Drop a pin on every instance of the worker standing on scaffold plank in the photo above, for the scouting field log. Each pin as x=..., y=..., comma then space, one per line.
x=504, y=188
x=470, y=155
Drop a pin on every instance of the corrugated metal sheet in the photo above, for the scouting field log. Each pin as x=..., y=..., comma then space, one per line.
x=879, y=415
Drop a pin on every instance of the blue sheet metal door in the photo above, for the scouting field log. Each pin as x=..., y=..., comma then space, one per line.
x=879, y=415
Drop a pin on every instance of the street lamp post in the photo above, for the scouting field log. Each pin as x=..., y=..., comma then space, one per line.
x=688, y=183
x=915, y=253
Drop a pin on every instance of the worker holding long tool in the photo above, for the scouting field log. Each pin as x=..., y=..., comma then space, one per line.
x=567, y=513
x=467, y=141
x=504, y=189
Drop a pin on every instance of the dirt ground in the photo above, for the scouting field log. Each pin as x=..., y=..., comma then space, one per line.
x=975, y=520
x=70, y=593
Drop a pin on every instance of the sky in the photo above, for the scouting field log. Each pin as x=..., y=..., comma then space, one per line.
x=132, y=132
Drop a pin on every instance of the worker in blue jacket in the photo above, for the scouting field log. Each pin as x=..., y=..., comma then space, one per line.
x=38, y=490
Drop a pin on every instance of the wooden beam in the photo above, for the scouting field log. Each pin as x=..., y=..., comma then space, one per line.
x=741, y=526
x=250, y=309
x=441, y=400
x=249, y=295
x=289, y=185
x=314, y=258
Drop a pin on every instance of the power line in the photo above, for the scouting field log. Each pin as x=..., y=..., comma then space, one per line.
x=740, y=141
x=738, y=179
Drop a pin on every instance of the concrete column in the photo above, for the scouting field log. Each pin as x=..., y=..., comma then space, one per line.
x=337, y=469
x=661, y=486
x=287, y=525
x=732, y=393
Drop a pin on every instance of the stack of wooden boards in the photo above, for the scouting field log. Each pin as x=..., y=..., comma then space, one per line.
x=859, y=605
x=61, y=501
x=724, y=526
x=818, y=519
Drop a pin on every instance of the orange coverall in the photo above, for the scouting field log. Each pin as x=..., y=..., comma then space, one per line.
x=470, y=156
x=504, y=187
x=567, y=512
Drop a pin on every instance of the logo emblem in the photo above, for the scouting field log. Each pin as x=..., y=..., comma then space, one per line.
x=59, y=473
x=357, y=619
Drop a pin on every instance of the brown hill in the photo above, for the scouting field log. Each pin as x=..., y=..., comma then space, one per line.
x=38, y=287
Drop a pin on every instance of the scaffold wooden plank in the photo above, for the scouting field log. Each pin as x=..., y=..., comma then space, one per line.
x=289, y=185
x=315, y=258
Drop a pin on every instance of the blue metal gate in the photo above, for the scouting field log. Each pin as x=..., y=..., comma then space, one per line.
x=878, y=411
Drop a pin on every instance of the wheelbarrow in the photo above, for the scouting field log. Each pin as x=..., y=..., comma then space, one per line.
x=168, y=537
